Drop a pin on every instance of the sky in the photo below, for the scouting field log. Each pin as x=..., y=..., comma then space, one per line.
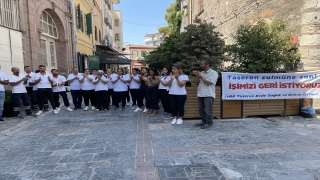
x=140, y=17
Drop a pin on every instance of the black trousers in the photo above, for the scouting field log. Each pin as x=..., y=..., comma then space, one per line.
x=134, y=96
x=128, y=95
x=76, y=98
x=120, y=96
x=177, y=104
x=112, y=95
x=165, y=100
x=64, y=97
x=89, y=95
x=42, y=94
x=30, y=94
x=102, y=100
x=141, y=96
x=16, y=103
x=34, y=101
x=152, y=98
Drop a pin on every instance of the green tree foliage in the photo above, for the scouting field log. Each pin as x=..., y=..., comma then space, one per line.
x=173, y=17
x=163, y=29
x=199, y=42
x=262, y=48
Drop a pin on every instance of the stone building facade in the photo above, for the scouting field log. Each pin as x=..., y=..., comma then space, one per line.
x=46, y=29
x=303, y=16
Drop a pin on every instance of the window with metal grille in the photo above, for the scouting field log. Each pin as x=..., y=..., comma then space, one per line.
x=48, y=25
x=9, y=14
x=52, y=54
x=44, y=52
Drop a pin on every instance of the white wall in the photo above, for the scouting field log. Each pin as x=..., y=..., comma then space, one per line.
x=11, y=52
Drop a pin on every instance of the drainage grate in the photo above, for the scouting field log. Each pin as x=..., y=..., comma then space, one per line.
x=186, y=172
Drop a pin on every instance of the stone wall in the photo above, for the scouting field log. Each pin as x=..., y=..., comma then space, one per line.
x=30, y=12
x=303, y=16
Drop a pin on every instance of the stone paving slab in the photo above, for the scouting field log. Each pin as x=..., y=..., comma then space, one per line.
x=126, y=145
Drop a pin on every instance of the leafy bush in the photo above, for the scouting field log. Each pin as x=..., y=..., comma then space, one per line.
x=263, y=48
x=200, y=42
x=187, y=49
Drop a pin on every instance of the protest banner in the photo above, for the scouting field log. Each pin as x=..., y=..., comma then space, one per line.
x=255, y=86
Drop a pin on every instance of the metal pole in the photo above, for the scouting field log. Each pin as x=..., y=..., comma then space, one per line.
x=74, y=46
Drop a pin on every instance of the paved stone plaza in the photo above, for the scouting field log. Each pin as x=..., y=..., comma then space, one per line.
x=125, y=145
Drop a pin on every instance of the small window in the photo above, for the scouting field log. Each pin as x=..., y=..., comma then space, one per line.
x=48, y=25
x=95, y=33
x=116, y=22
x=116, y=37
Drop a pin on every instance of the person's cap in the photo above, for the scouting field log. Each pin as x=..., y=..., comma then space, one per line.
x=100, y=71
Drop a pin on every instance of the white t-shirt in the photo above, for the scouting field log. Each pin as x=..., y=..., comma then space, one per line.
x=75, y=84
x=35, y=87
x=133, y=84
x=3, y=77
x=19, y=88
x=205, y=90
x=165, y=79
x=29, y=79
x=44, y=83
x=175, y=89
x=100, y=86
x=110, y=84
x=86, y=84
x=120, y=86
x=59, y=80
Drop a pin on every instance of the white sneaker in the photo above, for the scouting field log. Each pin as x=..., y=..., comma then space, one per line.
x=145, y=110
x=93, y=108
x=97, y=110
x=39, y=113
x=86, y=108
x=179, y=121
x=58, y=109
x=174, y=121
x=69, y=109
x=138, y=109
x=55, y=111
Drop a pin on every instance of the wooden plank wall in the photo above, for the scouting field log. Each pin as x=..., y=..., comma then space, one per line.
x=191, y=105
x=231, y=109
x=292, y=107
x=263, y=107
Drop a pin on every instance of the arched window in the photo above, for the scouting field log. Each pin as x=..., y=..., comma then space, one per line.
x=48, y=25
x=95, y=33
x=100, y=36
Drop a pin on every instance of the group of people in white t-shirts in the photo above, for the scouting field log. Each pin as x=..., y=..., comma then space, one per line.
x=98, y=88
x=146, y=88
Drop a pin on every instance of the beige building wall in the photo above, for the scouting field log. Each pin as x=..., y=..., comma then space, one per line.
x=118, y=30
x=97, y=23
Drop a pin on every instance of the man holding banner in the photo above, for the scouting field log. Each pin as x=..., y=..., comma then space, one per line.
x=206, y=81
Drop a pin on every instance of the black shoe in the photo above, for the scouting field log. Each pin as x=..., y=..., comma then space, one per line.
x=200, y=124
x=1, y=119
x=75, y=108
x=46, y=109
x=206, y=126
x=79, y=107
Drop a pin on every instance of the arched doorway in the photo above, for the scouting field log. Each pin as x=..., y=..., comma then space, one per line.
x=47, y=41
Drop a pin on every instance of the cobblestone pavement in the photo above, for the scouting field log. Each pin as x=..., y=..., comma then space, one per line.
x=125, y=145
